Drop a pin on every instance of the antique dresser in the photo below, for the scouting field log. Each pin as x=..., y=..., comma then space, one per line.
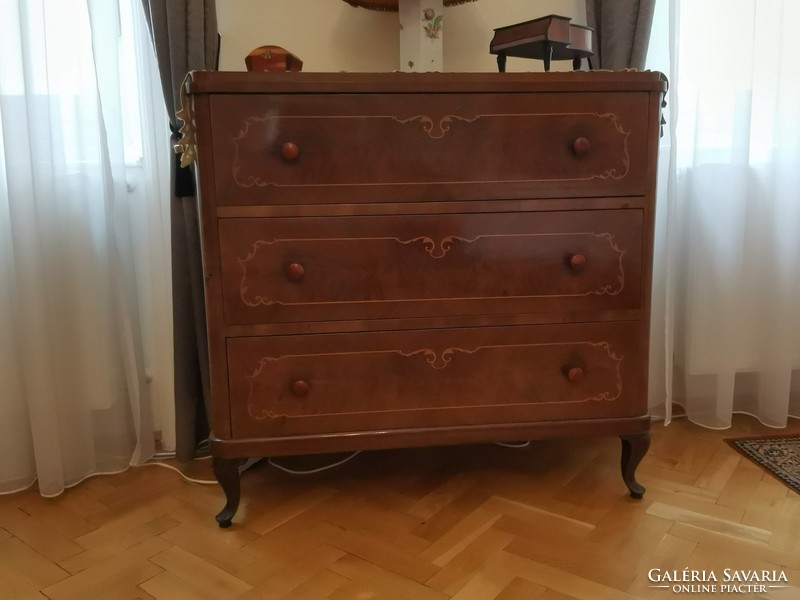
x=422, y=259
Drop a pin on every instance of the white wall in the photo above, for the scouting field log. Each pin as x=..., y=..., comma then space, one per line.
x=331, y=35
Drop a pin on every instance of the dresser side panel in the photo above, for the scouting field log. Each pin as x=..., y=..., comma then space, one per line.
x=212, y=280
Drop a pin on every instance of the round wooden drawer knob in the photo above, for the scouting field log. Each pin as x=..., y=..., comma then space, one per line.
x=577, y=262
x=575, y=374
x=300, y=388
x=290, y=151
x=581, y=146
x=295, y=272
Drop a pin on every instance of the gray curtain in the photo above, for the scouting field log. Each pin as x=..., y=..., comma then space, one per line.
x=622, y=31
x=185, y=38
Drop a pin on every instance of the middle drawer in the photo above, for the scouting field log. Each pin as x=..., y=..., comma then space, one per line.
x=351, y=268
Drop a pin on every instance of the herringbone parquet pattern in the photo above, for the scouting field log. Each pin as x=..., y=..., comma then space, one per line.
x=548, y=522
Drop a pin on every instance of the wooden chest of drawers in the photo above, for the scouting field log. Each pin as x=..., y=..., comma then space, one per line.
x=397, y=259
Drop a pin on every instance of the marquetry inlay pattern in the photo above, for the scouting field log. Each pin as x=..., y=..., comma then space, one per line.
x=266, y=129
x=436, y=129
x=438, y=359
x=436, y=248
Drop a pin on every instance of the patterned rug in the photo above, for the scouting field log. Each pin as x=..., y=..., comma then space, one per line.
x=778, y=455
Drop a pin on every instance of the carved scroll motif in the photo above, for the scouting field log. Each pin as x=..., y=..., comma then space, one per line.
x=187, y=147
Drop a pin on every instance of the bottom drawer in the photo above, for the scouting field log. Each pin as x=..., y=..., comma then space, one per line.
x=334, y=383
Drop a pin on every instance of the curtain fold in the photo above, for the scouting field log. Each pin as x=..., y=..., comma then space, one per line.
x=730, y=211
x=622, y=32
x=184, y=34
x=74, y=377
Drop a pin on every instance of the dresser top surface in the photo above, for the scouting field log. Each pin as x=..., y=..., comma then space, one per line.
x=220, y=82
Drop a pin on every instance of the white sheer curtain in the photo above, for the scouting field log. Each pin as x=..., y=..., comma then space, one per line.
x=728, y=248
x=84, y=295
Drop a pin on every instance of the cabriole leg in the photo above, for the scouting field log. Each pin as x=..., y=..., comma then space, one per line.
x=634, y=447
x=226, y=470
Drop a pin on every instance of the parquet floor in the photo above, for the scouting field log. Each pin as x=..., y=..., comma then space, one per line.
x=548, y=522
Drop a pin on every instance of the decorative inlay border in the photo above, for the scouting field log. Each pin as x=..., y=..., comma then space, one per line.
x=441, y=360
x=626, y=159
x=436, y=251
x=444, y=244
x=428, y=126
x=607, y=290
x=444, y=123
x=436, y=360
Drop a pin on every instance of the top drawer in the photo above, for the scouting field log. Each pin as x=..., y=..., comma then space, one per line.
x=334, y=148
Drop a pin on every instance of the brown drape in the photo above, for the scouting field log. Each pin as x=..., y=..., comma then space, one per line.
x=184, y=34
x=622, y=31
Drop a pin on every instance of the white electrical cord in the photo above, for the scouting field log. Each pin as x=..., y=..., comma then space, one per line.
x=514, y=445
x=181, y=473
x=242, y=468
x=250, y=462
x=317, y=470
